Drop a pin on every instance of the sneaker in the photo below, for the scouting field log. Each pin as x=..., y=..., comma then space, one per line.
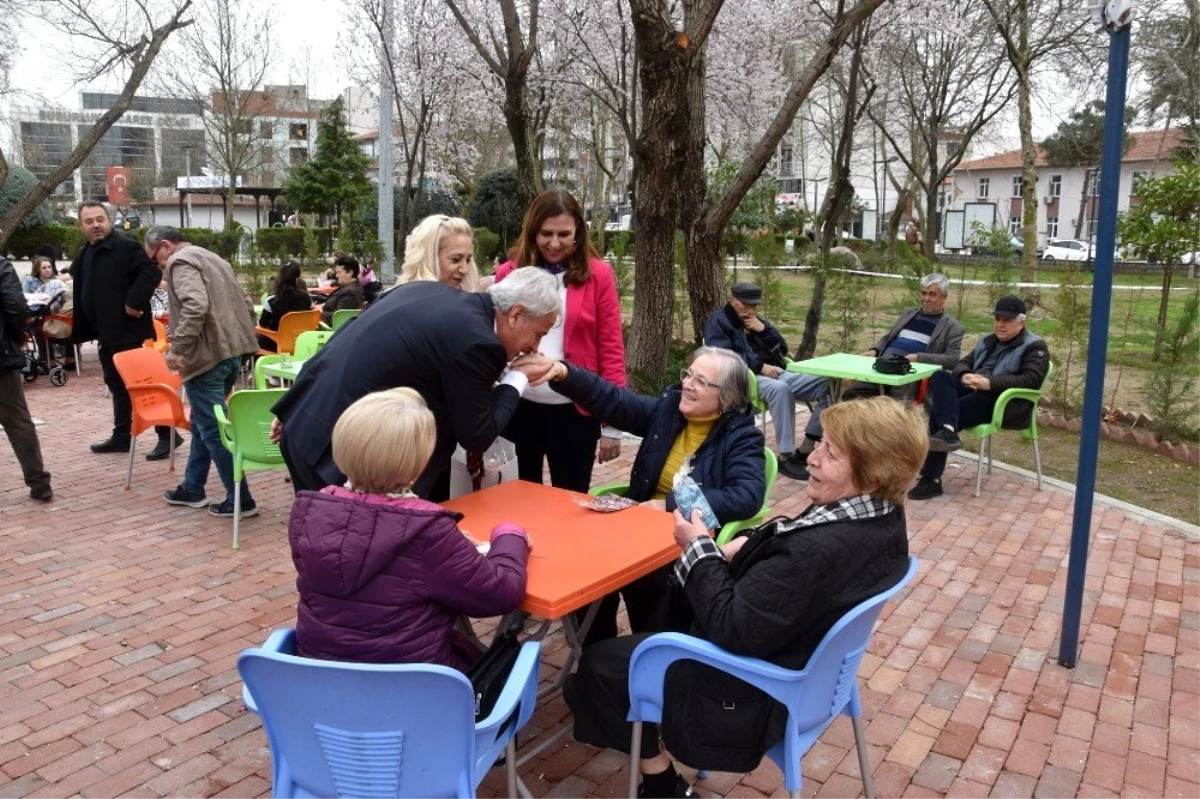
x=945, y=440
x=163, y=448
x=794, y=466
x=188, y=499
x=42, y=494
x=249, y=508
x=926, y=488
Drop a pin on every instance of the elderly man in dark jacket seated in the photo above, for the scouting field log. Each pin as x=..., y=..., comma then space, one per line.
x=1011, y=357
x=738, y=327
x=772, y=594
x=706, y=417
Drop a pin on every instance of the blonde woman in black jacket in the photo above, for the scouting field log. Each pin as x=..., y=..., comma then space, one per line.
x=772, y=595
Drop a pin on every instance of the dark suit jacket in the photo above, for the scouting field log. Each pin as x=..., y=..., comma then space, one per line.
x=425, y=336
x=121, y=274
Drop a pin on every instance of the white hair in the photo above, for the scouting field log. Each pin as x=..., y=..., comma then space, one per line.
x=531, y=287
x=937, y=279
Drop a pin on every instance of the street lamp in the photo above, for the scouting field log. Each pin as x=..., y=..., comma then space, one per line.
x=187, y=168
x=880, y=196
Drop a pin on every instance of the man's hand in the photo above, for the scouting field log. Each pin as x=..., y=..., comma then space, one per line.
x=912, y=357
x=174, y=362
x=277, y=432
x=688, y=531
x=134, y=312
x=537, y=367
x=751, y=322
x=976, y=382
x=872, y=353
x=610, y=449
x=771, y=371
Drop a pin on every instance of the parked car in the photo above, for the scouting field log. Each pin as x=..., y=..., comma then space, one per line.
x=1069, y=250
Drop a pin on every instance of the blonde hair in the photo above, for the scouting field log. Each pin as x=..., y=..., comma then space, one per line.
x=884, y=440
x=383, y=441
x=423, y=244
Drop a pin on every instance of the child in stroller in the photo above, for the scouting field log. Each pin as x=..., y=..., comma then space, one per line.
x=45, y=296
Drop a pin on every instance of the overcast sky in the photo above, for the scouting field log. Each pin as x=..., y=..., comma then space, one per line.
x=315, y=25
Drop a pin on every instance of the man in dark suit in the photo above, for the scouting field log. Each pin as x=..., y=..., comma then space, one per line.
x=112, y=282
x=450, y=346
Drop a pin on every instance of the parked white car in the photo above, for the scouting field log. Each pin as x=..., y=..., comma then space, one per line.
x=1069, y=250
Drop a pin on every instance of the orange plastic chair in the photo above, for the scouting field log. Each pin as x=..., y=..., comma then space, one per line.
x=154, y=394
x=290, y=326
x=159, y=342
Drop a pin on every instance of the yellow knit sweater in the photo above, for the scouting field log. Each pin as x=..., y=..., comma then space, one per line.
x=686, y=443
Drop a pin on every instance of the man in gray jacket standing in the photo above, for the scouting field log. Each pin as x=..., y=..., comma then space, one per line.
x=212, y=327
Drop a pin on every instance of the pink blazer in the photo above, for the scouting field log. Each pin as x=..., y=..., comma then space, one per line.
x=592, y=337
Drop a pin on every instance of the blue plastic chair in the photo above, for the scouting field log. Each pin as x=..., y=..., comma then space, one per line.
x=814, y=697
x=380, y=730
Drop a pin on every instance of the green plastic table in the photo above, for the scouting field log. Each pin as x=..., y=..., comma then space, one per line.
x=285, y=371
x=847, y=366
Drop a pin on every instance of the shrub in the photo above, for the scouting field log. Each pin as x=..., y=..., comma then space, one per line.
x=67, y=239
x=17, y=185
x=281, y=243
x=1072, y=307
x=487, y=247
x=1170, y=391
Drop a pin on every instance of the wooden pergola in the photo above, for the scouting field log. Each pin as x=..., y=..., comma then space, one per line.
x=257, y=192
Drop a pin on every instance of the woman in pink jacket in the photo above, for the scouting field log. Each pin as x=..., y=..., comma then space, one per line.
x=547, y=426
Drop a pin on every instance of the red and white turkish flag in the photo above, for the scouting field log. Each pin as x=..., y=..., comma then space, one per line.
x=118, y=184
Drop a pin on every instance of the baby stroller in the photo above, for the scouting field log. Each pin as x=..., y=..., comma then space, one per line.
x=44, y=355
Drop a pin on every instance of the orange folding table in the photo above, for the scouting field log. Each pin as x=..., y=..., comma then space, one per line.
x=579, y=555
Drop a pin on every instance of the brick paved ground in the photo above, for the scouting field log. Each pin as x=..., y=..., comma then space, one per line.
x=120, y=619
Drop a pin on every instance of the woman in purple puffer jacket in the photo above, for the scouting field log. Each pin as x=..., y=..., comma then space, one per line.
x=383, y=575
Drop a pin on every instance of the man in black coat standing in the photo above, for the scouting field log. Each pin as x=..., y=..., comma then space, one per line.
x=14, y=411
x=113, y=279
x=450, y=346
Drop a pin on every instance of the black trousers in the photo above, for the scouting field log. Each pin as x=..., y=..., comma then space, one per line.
x=558, y=434
x=121, y=404
x=598, y=695
x=958, y=406
x=18, y=426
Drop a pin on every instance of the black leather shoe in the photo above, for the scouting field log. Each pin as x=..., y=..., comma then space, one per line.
x=112, y=444
x=42, y=493
x=793, y=467
x=162, y=449
x=926, y=488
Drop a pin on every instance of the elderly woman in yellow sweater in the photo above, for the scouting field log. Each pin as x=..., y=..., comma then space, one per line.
x=706, y=416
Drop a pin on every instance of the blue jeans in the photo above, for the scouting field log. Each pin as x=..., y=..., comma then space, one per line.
x=780, y=394
x=203, y=392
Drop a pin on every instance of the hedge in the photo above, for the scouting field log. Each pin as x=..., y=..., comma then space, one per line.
x=68, y=239
x=281, y=243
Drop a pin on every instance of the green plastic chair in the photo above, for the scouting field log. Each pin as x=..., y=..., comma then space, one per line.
x=729, y=529
x=308, y=342
x=246, y=432
x=986, y=431
x=343, y=316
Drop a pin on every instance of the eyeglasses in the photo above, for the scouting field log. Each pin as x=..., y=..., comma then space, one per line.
x=687, y=374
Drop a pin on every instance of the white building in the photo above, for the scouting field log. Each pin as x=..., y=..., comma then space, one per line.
x=989, y=189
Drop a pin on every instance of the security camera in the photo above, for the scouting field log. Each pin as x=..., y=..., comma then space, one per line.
x=1112, y=15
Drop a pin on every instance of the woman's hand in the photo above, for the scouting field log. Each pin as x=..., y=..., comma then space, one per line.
x=734, y=546
x=610, y=449
x=537, y=367
x=276, y=430
x=656, y=504
x=688, y=531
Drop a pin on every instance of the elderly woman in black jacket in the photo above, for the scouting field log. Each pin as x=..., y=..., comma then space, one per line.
x=706, y=416
x=772, y=594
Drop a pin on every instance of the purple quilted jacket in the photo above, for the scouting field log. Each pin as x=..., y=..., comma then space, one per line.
x=383, y=580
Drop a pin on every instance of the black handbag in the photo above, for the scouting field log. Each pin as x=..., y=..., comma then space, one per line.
x=892, y=365
x=490, y=672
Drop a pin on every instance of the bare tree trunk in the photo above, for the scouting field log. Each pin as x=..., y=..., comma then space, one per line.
x=812, y=319
x=146, y=52
x=3, y=171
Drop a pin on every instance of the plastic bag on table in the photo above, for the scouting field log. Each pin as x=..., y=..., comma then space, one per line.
x=499, y=463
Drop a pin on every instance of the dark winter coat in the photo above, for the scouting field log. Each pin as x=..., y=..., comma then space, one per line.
x=725, y=329
x=1022, y=363
x=121, y=274
x=280, y=305
x=15, y=315
x=347, y=297
x=729, y=466
x=383, y=581
x=775, y=601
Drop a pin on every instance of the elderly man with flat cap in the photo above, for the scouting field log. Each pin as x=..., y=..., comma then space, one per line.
x=1010, y=357
x=738, y=327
